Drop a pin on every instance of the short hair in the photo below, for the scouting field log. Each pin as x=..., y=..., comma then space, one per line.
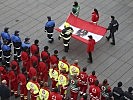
x=36, y=41
x=119, y=84
x=46, y=48
x=84, y=69
x=113, y=17
x=96, y=83
x=90, y=36
x=55, y=51
x=93, y=72
x=130, y=89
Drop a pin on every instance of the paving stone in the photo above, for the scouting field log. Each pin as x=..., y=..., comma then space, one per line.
x=120, y=72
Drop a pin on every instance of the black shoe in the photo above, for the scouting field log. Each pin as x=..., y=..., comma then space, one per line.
x=107, y=38
x=17, y=96
x=90, y=61
x=112, y=43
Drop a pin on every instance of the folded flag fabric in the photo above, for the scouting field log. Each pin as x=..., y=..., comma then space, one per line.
x=82, y=29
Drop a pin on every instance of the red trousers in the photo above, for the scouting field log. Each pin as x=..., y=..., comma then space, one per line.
x=34, y=96
x=74, y=95
x=83, y=88
x=14, y=87
x=26, y=64
x=62, y=91
x=23, y=92
x=54, y=83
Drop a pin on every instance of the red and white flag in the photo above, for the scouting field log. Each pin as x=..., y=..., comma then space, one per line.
x=82, y=29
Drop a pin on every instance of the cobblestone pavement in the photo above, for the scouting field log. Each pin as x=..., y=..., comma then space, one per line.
x=112, y=62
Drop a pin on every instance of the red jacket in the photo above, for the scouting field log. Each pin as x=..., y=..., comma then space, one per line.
x=47, y=56
x=12, y=76
x=54, y=59
x=33, y=59
x=42, y=69
x=91, y=44
x=34, y=49
x=55, y=96
x=94, y=92
x=92, y=79
x=15, y=63
x=22, y=79
x=3, y=74
x=25, y=56
x=94, y=17
x=83, y=77
x=32, y=72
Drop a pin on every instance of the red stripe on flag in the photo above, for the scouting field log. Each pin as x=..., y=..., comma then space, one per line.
x=82, y=24
x=75, y=36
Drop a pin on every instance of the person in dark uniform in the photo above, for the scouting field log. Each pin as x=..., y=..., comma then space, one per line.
x=0, y=50
x=49, y=28
x=128, y=95
x=6, y=52
x=17, y=45
x=118, y=92
x=113, y=27
x=66, y=35
x=4, y=91
x=6, y=36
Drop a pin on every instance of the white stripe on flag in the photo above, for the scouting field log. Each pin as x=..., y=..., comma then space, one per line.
x=96, y=37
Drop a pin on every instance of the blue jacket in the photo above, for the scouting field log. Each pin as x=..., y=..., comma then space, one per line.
x=26, y=45
x=5, y=48
x=5, y=36
x=15, y=38
x=50, y=24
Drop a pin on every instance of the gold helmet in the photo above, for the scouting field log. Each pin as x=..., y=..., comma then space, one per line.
x=66, y=24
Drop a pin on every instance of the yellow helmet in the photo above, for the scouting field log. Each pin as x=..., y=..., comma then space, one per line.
x=66, y=24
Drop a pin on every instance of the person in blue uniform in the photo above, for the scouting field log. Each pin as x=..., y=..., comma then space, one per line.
x=0, y=50
x=49, y=28
x=17, y=45
x=6, y=52
x=26, y=44
x=6, y=36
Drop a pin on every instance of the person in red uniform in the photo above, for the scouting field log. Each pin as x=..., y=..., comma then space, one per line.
x=15, y=64
x=4, y=73
x=55, y=95
x=105, y=89
x=64, y=67
x=45, y=54
x=13, y=81
x=22, y=80
x=94, y=91
x=83, y=81
x=42, y=72
x=25, y=57
x=33, y=59
x=32, y=70
x=92, y=78
x=95, y=16
x=54, y=73
x=44, y=93
x=33, y=86
x=54, y=58
x=34, y=49
x=64, y=84
x=90, y=48
x=74, y=86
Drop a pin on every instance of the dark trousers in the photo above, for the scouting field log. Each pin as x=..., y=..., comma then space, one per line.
x=111, y=35
x=7, y=57
x=50, y=37
x=90, y=57
x=66, y=45
x=0, y=55
x=17, y=53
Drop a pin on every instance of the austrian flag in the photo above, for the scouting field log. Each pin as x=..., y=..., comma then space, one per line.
x=82, y=29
